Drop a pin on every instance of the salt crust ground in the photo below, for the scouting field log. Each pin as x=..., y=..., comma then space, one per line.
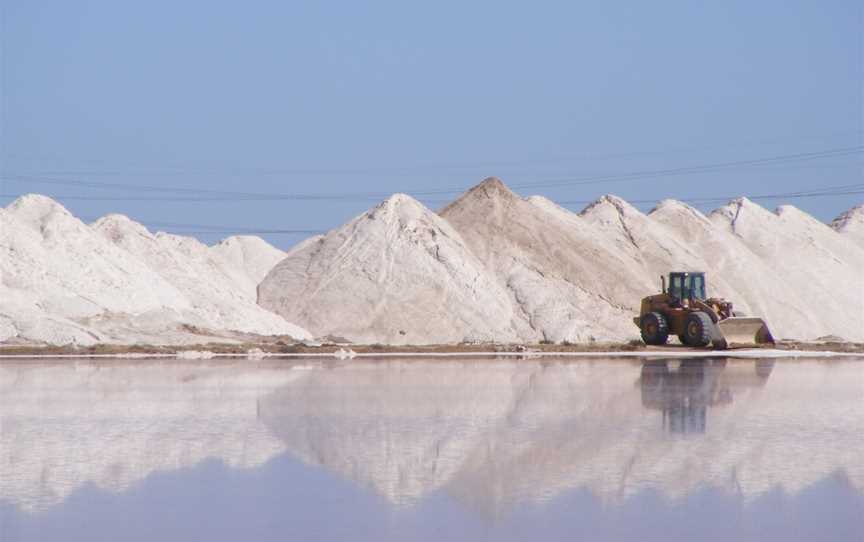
x=63, y=281
x=495, y=265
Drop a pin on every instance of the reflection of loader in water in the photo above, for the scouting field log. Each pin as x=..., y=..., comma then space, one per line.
x=684, y=394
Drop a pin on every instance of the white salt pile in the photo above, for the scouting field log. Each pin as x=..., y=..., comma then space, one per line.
x=548, y=261
x=396, y=274
x=824, y=272
x=491, y=266
x=497, y=266
x=851, y=224
x=247, y=259
x=64, y=282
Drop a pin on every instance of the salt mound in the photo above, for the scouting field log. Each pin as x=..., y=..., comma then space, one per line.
x=650, y=248
x=550, y=274
x=851, y=224
x=552, y=263
x=64, y=282
x=217, y=288
x=581, y=276
x=822, y=270
x=736, y=273
x=492, y=267
x=55, y=273
x=252, y=255
x=398, y=273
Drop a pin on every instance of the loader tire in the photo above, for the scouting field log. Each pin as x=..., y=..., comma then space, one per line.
x=654, y=328
x=697, y=329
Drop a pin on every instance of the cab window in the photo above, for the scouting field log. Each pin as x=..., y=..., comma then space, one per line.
x=694, y=285
x=699, y=287
x=675, y=286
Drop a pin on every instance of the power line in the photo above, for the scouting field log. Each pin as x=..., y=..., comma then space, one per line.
x=250, y=232
x=651, y=174
x=202, y=194
x=232, y=229
x=186, y=170
x=199, y=229
x=706, y=201
x=202, y=229
x=844, y=190
x=191, y=199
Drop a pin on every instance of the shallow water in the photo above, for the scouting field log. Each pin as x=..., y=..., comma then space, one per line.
x=606, y=449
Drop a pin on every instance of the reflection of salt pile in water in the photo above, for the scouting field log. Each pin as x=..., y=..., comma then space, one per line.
x=758, y=439
x=401, y=429
x=502, y=266
x=506, y=432
x=490, y=433
x=62, y=281
x=62, y=427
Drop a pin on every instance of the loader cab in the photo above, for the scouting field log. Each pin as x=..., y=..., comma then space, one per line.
x=687, y=285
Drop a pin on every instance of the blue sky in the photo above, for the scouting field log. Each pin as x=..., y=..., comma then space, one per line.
x=369, y=98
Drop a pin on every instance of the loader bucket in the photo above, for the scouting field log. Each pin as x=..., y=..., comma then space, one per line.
x=739, y=331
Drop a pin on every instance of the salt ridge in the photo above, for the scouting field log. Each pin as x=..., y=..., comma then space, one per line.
x=851, y=224
x=65, y=282
x=491, y=266
x=560, y=276
x=397, y=274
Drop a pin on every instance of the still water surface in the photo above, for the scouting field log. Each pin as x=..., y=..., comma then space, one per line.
x=604, y=449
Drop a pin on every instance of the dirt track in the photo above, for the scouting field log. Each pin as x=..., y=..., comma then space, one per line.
x=280, y=347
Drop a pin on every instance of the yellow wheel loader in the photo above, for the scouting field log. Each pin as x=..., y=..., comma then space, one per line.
x=685, y=310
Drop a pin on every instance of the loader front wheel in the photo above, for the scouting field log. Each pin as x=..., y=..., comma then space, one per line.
x=654, y=328
x=697, y=329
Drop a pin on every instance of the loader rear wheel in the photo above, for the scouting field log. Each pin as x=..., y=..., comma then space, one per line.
x=654, y=328
x=697, y=329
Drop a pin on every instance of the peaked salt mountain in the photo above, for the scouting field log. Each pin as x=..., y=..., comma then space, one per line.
x=64, y=282
x=397, y=274
x=737, y=273
x=220, y=289
x=824, y=270
x=545, y=273
x=851, y=224
x=492, y=266
x=247, y=259
x=550, y=263
x=56, y=273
